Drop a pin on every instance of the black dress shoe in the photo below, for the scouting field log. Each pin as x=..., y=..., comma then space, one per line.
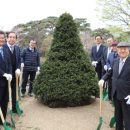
x=8, y=123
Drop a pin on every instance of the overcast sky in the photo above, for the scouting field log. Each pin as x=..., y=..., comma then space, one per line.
x=14, y=12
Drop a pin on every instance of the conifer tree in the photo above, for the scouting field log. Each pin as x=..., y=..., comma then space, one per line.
x=67, y=77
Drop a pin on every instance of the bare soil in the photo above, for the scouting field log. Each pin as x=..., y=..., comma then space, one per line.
x=37, y=116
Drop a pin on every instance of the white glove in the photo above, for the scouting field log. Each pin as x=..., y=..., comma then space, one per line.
x=109, y=68
x=94, y=63
x=5, y=75
x=128, y=101
x=22, y=65
x=105, y=67
x=9, y=77
x=17, y=72
x=38, y=68
x=101, y=82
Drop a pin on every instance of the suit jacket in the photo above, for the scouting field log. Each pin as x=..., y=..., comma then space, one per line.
x=120, y=82
x=17, y=53
x=111, y=58
x=105, y=53
x=5, y=67
x=97, y=56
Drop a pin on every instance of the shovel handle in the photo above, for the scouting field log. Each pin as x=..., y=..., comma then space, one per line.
x=17, y=77
x=21, y=76
x=100, y=105
x=106, y=84
x=2, y=117
x=10, y=97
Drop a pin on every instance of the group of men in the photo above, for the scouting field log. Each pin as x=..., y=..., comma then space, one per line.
x=11, y=61
x=112, y=64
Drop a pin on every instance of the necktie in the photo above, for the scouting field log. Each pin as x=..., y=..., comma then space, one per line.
x=1, y=52
x=12, y=48
x=121, y=66
x=97, y=48
x=109, y=51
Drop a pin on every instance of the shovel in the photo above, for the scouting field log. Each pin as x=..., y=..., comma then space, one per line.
x=104, y=92
x=3, y=121
x=100, y=109
x=20, y=83
x=113, y=120
x=10, y=104
x=17, y=98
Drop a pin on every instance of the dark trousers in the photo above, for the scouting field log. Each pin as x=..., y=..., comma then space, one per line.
x=122, y=114
x=98, y=69
x=4, y=100
x=110, y=89
x=32, y=75
x=13, y=89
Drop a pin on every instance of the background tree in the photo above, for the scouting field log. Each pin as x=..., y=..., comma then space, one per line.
x=119, y=34
x=103, y=32
x=82, y=24
x=67, y=77
x=42, y=31
x=117, y=11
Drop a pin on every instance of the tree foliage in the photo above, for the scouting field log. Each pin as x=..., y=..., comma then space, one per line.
x=119, y=34
x=115, y=11
x=102, y=32
x=43, y=29
x=67, y=77
x=82, y=24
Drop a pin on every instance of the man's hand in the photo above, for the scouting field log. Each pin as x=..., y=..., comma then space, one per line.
x=128, y=99
x=101, y=82
x=22, y=65
x=38, y=68
x=17, y=72
x=105, y=67
x=7, y=76
x=94, y=63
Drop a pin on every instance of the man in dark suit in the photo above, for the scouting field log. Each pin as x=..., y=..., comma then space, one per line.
x=5, y=75
x=14, y=52
x=96, y=55
x=120, y=74
x=113, y=55
x=106, y=51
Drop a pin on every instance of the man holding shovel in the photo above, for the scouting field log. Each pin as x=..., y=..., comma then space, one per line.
x=120, y=74
x=14, y=52
x=5, y=75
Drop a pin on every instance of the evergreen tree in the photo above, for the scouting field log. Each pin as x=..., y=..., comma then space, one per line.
x=67, y=77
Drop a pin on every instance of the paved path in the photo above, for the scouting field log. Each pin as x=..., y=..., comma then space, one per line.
x=39, y=117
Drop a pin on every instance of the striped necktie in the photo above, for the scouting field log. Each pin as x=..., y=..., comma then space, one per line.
x=121, y=64
x=1, y=52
